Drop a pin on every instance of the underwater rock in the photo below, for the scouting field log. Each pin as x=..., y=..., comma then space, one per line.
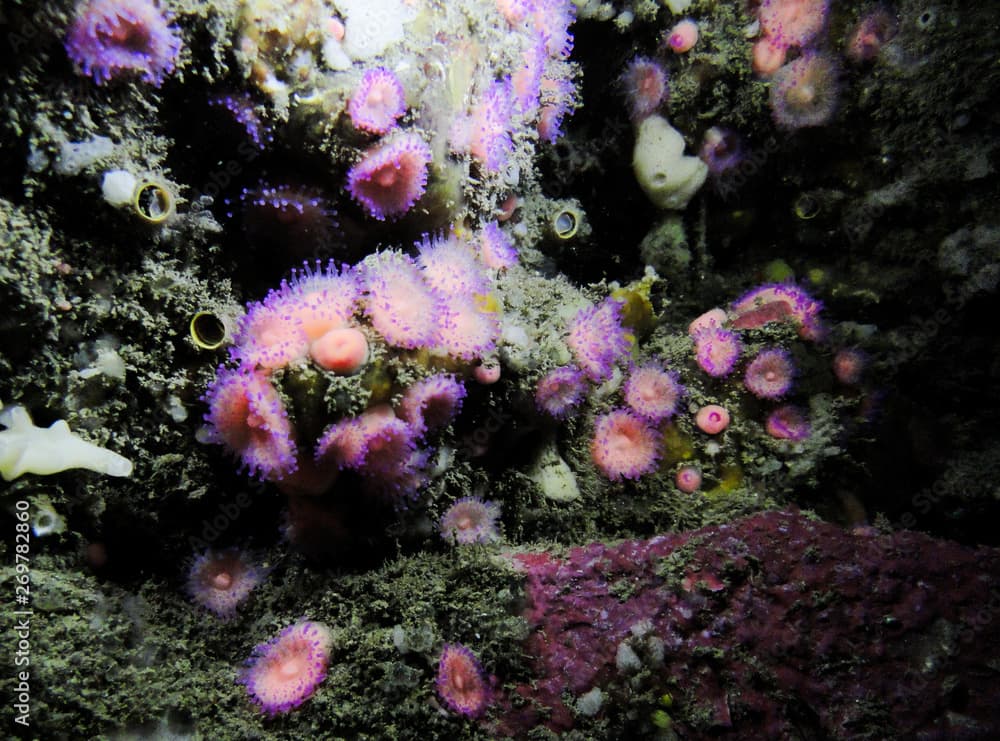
x=772, y=626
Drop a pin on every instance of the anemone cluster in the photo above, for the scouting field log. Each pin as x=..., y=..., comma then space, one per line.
x=381, y=342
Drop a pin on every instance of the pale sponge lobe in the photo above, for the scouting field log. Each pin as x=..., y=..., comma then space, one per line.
x=667, y=177
x=25, y=448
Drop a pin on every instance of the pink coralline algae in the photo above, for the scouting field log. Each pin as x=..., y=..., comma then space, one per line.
x=461, y=684
x=734, y=610
x=220, y=581
x=598, y=340
x=285, y=672
x=377, y=102
x=391, y=176
x=471, y=520
x=109, y=39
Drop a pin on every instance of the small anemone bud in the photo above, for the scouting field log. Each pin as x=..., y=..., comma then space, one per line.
x=712, y=419
x=688, y=479
x=683, y=36
x=343, y=351
x=487, y=372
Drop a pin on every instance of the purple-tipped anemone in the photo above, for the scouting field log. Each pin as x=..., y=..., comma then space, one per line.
x=115, y=38
x=804, y=92
x=515, y=11
x=496, y=249
x=451, y=267
x=461, y=684
x=377, y=102
x=645, y=84
x=770, y=374
x=788, y=422
x=380, y=447
x=652, y=392
x=557, y=99
x=336, y=287
x=390, y=176
x=432, y=403
x=471, y=520
x=285, y=672
x=560, y=391
x=393, y=466
x=343, y=444
x=269, y=336
x=526, y=82
x=220, y=581
x=288, y=219
x=552, y=19
x=399, y=303
x=468, y=331
x=788, y=23
x=241, y=108
x=624, y=445
x=716, y=351
x=598, y=340
x=490, y=124
x=247, y=416
x=721, y=150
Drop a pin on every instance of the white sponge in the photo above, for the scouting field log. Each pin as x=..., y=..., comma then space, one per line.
x=372, y=26
x=668, y=178
x=25, y=448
